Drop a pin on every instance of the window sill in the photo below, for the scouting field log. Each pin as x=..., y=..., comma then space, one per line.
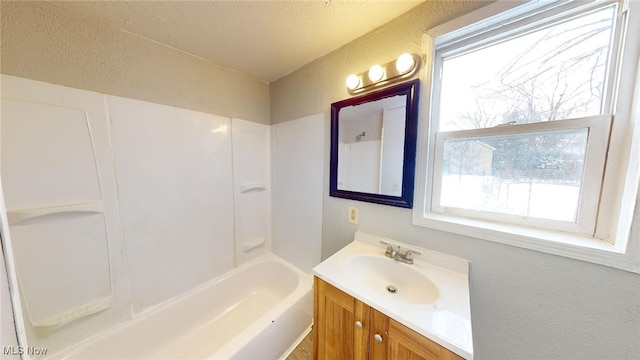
x=552, y=242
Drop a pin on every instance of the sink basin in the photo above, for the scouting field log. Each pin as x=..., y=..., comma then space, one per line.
x=430, y=297
x=392, y=279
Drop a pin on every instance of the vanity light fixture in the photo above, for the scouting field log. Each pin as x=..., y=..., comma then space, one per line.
x=353, y=81
x=380, y=75
x=405, y=63
x=376, y=73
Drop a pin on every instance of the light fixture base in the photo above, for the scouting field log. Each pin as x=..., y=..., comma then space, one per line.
x=390, y=75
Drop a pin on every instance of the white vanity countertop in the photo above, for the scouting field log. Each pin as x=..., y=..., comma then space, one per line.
x=446, y=321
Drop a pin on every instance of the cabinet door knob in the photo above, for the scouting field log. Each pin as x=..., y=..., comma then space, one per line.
x=358, y=324
x=378, y=338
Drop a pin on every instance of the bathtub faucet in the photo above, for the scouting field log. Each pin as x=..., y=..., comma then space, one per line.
x=396, y=255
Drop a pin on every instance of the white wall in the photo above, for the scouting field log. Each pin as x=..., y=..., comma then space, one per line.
x=175, y=190
x=298, y=157
x=393, y=129
x=252, y=189
x=361, y=170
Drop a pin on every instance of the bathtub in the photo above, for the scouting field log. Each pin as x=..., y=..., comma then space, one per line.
x=257, y=311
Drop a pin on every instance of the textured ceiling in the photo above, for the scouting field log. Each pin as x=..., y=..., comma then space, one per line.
x=264, y=39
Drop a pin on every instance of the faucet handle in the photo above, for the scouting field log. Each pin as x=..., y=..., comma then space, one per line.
x=408, y=256
x=411, y=252
x=390, y=251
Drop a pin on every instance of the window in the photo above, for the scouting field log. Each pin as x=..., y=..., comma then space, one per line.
x=526, y=107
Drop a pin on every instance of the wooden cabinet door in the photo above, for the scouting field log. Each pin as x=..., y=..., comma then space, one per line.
x=379, y=336
x=346, y=328
x=336, y=333
x=406, y=344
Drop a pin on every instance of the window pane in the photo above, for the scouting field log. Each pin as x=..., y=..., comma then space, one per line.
x=534, y=175
x=554, y=73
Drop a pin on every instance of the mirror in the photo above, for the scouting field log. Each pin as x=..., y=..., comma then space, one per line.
x=373, y=146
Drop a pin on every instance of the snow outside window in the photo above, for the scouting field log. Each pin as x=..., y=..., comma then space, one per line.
x=521, y=111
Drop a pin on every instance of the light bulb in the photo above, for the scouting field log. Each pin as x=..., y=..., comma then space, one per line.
x=405, y=63
x=375, y=73
x=353, y=81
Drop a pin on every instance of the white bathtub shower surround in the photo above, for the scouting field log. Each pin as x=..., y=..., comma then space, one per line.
x=298, y=163
x=62, y=213
x=175, y=190
x=251, y=188
x=255, y=311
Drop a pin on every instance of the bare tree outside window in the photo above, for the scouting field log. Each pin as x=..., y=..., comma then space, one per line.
x=550, y=74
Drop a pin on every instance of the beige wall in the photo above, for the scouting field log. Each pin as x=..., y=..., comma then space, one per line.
x=44, y=42
x=524, y=304
x=312, y=89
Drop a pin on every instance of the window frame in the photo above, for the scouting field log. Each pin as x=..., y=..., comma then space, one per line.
x=598, y=135
x=605, y=237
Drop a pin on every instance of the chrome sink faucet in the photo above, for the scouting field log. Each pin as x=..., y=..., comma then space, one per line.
x=394, y=254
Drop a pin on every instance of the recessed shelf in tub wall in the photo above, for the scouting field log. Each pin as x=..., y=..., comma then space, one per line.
x=253, y=243
x=17, y=216
x=245, y=188
x=48, y=323
x=53, y=245
x=66, y=317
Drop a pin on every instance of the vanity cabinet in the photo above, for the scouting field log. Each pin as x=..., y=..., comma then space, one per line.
x=347, y=328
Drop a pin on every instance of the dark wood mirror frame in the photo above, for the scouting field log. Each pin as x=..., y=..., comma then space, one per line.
x=405, y=200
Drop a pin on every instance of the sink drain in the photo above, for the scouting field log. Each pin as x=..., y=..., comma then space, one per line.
x=392, y=289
